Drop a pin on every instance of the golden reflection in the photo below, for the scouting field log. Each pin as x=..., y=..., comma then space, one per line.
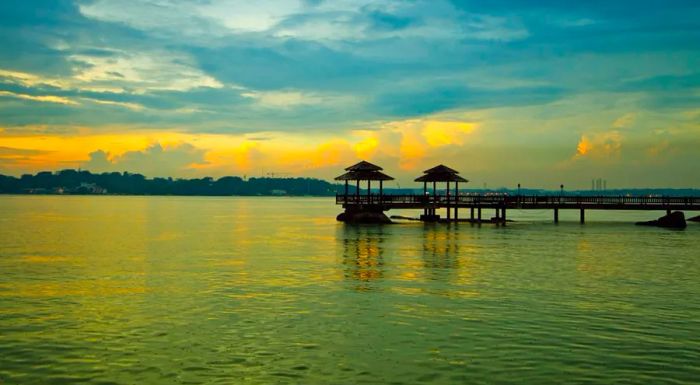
x=448, y=257
x=363, y=254
x=80, y=288
x=594, y=260
x=44, y=259
x=441, y=252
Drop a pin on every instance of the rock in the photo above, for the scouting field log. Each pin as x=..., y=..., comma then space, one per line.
x=695, y=219
x=675, y=220
x=363, y=216
x=370, y=217
x=404, y=218
x=429, y=218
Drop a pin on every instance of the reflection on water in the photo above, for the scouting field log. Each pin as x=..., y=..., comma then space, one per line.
x=169, y=290
x=441, y=250
x=363, y=254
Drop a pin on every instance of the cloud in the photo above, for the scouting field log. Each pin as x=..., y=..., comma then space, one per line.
x=153, y=161
x=11, y=152
x=355, y=78
x=625, y=120
x=443, y=133
x=283, y=99
x=141, y=71
x=325, y=21
x=601, y=145
x=131, y=106
x=39, y=98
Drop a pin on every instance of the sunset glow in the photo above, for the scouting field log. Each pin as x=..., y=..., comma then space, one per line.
x=259, y=89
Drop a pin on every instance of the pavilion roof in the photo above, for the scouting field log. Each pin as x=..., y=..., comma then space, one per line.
x=440, y=173
x=364, y=166
x=441, y=177
x=440, y=169
x=364, y=175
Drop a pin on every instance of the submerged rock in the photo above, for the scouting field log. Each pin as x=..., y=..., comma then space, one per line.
x=674, y=220
x=695, y=219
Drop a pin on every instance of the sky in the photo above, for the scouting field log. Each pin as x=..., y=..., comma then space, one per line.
x=506, y=91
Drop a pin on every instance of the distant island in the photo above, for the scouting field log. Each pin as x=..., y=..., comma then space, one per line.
x=85, y=182
x=79, y=182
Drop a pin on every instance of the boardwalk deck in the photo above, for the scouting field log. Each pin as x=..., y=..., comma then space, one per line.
x=388, y=202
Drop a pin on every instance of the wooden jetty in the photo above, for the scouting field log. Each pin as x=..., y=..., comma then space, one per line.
x=452, y=201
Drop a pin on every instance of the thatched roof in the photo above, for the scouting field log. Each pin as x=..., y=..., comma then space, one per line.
x=364, y=166
x=364, y=175
x=440, y=173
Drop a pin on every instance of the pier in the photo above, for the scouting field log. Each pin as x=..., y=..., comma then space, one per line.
x=455, y=204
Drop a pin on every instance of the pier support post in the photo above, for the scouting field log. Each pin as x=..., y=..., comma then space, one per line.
x=456, y=200
x=478, y=213
x=471, y=213
x=583, y=216
x=447, y=198
x=425, y=196
x=556, y=215
x=369, y=191
x=503, y=215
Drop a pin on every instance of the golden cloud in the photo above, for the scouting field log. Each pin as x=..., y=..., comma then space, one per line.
x=599, y=145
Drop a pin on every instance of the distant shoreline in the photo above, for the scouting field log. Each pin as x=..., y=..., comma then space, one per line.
x=168, y=195
x=78, y=182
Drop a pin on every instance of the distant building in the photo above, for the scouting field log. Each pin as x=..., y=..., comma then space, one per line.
x=90, y=188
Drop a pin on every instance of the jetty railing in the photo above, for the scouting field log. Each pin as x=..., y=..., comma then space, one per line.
x=524, y=201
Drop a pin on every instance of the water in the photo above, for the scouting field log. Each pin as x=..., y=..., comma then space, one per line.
x=180, y=290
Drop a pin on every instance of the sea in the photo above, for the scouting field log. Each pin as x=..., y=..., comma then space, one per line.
x=273, y=290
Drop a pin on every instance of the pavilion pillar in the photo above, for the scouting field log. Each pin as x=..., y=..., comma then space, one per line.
x=503, y=215
x=425, y=197
x=556, y=215
x=346, y=191
x=456, y=200
x=583, y=216
x=381, y=191
x=357, y=191
x=471, y=213
x=447, y=195
x=478, y=213
x=435, y=198
x=369, y=191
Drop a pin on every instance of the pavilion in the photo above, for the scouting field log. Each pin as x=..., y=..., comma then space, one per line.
x=364, y=171
x=441, y=173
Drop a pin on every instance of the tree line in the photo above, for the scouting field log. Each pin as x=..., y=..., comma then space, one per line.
x=85, y=182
